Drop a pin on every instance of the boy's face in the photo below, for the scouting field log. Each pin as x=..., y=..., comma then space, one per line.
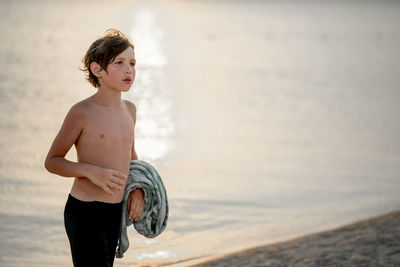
x=120, y=72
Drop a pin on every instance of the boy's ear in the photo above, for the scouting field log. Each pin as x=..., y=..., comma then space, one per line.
x=96, y=69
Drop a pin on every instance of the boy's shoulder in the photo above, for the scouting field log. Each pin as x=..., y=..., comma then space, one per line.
x=76, y=116
x=84, y=107
x=132, y=109
x=81, y=110
x=131, y=106
x=81, y=107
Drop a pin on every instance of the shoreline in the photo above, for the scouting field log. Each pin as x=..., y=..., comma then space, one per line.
x=370, y=242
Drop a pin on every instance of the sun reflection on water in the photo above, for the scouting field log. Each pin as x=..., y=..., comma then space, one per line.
x=161, y=254
x=148, y=39
x=154, y=124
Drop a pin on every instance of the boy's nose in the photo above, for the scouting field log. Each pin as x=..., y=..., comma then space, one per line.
x=129, y=69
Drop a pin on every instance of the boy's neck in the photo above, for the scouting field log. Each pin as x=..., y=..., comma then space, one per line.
x=108, y=98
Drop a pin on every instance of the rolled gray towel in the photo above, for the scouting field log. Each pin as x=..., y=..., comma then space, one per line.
x=154, y=218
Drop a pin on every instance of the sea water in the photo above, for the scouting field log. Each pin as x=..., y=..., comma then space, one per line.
x=265, y=119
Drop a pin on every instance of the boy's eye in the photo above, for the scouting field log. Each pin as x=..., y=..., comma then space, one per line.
x=119, y=62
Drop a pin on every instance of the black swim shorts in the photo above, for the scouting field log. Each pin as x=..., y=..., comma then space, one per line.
x=93, y=228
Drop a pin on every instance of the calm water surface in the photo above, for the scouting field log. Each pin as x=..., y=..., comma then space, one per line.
x=266, y=119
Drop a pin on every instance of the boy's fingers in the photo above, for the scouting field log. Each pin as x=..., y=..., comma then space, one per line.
x=135, y=214
x=121, y=175
x=131, y=213
x=114, y=185
x=139, y=212
x=128, y=206
x=118, y=180
x=108, y=190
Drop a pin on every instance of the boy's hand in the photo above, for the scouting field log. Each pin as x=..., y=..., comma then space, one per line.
x=136, y=204
x=108, y=179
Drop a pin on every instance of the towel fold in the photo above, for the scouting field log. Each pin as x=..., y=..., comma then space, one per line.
x=154, y=218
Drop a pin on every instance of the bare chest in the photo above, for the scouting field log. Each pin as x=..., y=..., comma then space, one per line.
x=108, y=129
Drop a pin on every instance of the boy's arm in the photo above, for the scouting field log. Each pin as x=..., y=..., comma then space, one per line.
x=133, y=153
x=136, y=203
x=56, y=163
x=132, y=111
x=70, y=130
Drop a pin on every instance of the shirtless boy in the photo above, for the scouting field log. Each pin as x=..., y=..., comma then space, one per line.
x=102, y=129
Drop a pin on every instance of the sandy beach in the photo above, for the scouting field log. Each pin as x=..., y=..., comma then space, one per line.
x=372, y=242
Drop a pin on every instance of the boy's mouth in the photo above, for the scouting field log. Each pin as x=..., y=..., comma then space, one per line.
x=127, y=80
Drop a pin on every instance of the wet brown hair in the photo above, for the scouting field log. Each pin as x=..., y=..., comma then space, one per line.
x=103, y=51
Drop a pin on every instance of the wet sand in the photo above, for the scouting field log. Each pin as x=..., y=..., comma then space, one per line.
x=372, y=242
